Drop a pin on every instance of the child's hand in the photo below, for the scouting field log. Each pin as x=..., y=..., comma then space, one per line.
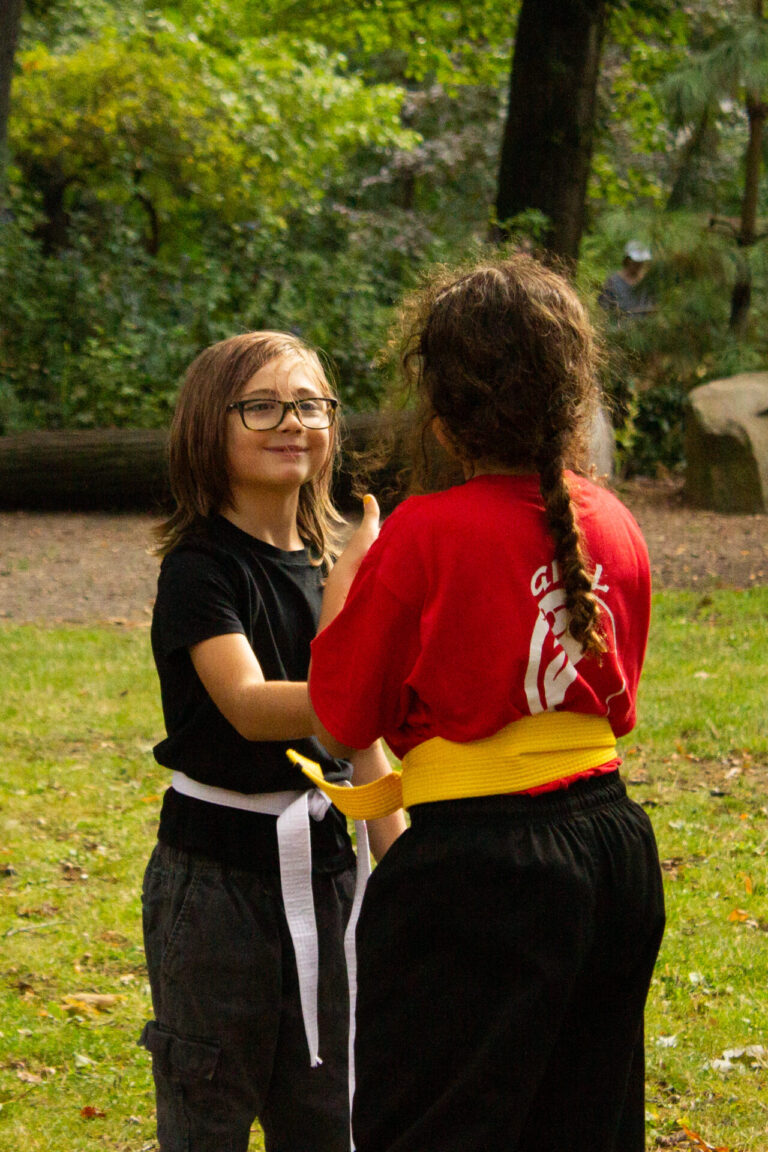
x=344, y=570
x=363, y=536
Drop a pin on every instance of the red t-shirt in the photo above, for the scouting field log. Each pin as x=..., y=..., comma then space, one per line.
x=455, y=625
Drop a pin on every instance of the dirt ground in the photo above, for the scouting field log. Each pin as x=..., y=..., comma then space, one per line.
x=93, y=567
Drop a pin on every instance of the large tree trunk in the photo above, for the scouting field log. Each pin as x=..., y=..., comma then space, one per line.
x=10, y=18
x=547, y=146
x=741, y=296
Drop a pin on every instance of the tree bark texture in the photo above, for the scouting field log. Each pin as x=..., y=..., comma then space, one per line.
x=757, y=112
x=547, y=145
x=10, y=18
x=124, y=469
x=741, y=296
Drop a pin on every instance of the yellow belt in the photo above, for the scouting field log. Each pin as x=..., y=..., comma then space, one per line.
x=532, y=751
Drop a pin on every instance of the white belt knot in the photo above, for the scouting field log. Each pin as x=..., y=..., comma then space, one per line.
x=318, y=803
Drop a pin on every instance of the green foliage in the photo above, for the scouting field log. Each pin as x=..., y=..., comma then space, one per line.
x=168, y=191
x=183, y=171
x=654, y=361
x=160, y=117
x=452, y=43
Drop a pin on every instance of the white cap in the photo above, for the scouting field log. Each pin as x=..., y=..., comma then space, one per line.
x=637, y=252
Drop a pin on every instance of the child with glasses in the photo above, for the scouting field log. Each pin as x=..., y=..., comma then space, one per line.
x=494, y=636
x=249, y=888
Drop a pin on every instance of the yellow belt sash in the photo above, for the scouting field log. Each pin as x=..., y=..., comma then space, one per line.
x=532, y=751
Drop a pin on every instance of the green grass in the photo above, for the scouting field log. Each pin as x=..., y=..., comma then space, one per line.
x=79, y=795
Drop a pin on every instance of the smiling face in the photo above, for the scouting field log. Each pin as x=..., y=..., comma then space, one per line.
x=287, y=456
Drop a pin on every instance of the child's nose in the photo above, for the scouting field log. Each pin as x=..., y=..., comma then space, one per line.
x=291, y=419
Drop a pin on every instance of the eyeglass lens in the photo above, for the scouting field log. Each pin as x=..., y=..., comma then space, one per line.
x=314, y=412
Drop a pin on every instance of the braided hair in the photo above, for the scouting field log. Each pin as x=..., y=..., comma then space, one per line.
x=505, y=357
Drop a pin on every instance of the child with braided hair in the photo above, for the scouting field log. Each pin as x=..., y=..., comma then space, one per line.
x=494, y=636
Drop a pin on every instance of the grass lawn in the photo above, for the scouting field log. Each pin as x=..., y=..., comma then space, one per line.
x=79, y=796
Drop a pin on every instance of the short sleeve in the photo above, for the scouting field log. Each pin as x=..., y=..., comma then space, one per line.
x=196, y=599
x=362, y=661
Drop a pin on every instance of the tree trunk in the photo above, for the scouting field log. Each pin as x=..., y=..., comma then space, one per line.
x=741, y=296
x=10, y=18
x=547, y=146
x=756, y=112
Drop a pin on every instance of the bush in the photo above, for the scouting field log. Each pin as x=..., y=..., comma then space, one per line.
x=100, y=333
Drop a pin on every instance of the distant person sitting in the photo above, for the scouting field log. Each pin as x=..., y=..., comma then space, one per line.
x=621, y=294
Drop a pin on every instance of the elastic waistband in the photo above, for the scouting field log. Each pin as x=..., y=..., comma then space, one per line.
x=584, y=795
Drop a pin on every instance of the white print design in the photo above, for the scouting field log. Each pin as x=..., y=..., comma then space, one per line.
x=554, y=653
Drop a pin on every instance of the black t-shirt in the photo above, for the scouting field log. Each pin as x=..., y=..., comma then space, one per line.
x=220, y=582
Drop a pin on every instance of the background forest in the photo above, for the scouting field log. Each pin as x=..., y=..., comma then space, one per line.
x=176, y=173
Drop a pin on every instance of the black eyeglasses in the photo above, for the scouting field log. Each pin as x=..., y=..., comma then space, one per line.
x=262, y=415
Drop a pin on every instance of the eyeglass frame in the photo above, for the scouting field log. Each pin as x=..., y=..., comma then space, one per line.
x=286, y=404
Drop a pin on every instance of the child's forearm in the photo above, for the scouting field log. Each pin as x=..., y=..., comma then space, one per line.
x=274, y=710
x=258, y=709
x=369, y=765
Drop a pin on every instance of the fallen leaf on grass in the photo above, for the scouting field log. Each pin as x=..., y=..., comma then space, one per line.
x=117, y=938
x=739, y=916
x=701, y=1144
x=42, y=910
x=92, y=1002
x=23, y=1073
x=29, y=1077
x=748, y=886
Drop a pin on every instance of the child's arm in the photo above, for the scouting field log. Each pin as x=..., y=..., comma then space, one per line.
x=258, y=709
x=369, y=765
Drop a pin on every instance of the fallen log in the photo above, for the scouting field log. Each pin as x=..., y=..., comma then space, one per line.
x=103, y=469
x=125, y=469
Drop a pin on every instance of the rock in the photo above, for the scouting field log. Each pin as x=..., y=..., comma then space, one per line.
x=602, y=445
x=726, y=444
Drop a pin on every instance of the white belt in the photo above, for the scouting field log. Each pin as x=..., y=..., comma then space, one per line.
x=293, y=810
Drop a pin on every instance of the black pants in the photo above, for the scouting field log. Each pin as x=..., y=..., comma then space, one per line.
x=228, y=1042
x=505, y=950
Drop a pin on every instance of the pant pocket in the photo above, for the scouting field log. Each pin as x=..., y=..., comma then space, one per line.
x=180, y=1058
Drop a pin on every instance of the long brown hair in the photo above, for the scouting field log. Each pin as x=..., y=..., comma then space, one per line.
x=505, y=356
x=197, y=445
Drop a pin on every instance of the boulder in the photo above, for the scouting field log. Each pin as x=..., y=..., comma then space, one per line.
x=726, y=444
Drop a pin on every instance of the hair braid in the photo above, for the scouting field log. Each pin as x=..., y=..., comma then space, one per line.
x=505, y=356
x=580, y=601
